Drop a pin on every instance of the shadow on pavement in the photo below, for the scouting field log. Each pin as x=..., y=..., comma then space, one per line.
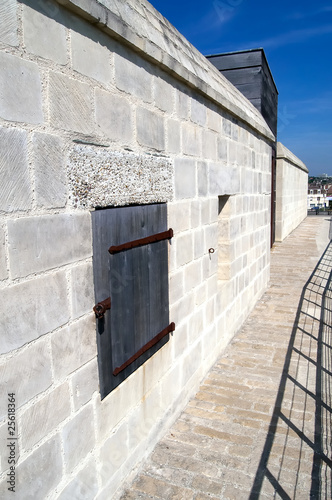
x=296, y=462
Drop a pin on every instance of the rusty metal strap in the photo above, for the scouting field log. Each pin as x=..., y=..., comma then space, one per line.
x=166, y=235
x=102, y=307
x=146, y=347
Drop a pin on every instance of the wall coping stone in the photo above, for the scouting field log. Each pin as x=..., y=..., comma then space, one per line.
x=162, y=44
x=284, y=154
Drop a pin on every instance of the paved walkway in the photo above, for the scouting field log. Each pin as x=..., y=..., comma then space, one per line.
x=260, y=425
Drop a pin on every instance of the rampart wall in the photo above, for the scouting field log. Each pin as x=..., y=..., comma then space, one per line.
x=106, y=104
x=291, y=192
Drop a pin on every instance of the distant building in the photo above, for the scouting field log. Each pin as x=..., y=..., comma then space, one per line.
x=329, y=196
x=319, y=195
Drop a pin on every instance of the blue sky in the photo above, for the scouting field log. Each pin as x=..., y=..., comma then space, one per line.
x=297, y=39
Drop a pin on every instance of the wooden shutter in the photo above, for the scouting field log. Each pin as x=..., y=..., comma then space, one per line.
x=136, y=280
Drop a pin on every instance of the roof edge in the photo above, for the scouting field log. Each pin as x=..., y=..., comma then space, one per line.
x=285, y=154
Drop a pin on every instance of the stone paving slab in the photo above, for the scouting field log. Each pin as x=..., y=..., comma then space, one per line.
x=260, y=425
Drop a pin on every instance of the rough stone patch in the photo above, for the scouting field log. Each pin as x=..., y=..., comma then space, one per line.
x=100, y=178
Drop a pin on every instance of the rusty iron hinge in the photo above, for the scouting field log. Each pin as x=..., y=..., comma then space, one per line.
x=102, y=307
x=165, y=235
x=146, y=347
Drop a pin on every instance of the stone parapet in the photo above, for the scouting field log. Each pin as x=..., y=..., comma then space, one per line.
x=291, y=189
x=140, y=26
x=104, y=105
x=285, y=154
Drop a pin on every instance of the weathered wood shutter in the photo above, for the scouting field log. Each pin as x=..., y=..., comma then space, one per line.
x=134, y=275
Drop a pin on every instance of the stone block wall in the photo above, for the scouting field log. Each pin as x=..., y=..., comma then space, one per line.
x=291, y=189
x=106, y=104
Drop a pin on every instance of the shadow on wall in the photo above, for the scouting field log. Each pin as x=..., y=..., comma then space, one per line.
x=299, y=440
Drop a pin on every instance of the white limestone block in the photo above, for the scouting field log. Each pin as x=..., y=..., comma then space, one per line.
x=78, y=437
x=90, y=57
x=46, y=242
x=150, y=129
x=82, y=290
x=41, y=472
x=74, y=346
x=191, y=139
x=38, y=314
x=50, y=170
x=83, y=486
x=15, y=186
x=184, y=249
x=132, y=76
x=198, y=112
x=35, y=374
x=20, y=97
x=185, y=178
x=163, y=95
x=3, y=261
x=9, y=22
x=70, y=104
x=173, y=136
x=44, y=416
x=114, y=116
x=84, y=383
x=43, y=32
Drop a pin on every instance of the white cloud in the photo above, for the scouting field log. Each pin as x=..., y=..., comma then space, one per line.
x=221, y=13
x=313, y=105
x=295, y=36
x=225, y=10
x=303, y=15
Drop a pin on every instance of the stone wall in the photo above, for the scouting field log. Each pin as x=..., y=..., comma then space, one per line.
x=291, y=189
x=95, y=94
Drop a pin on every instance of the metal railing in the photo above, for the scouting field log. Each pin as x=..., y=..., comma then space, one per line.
x=299, y=438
